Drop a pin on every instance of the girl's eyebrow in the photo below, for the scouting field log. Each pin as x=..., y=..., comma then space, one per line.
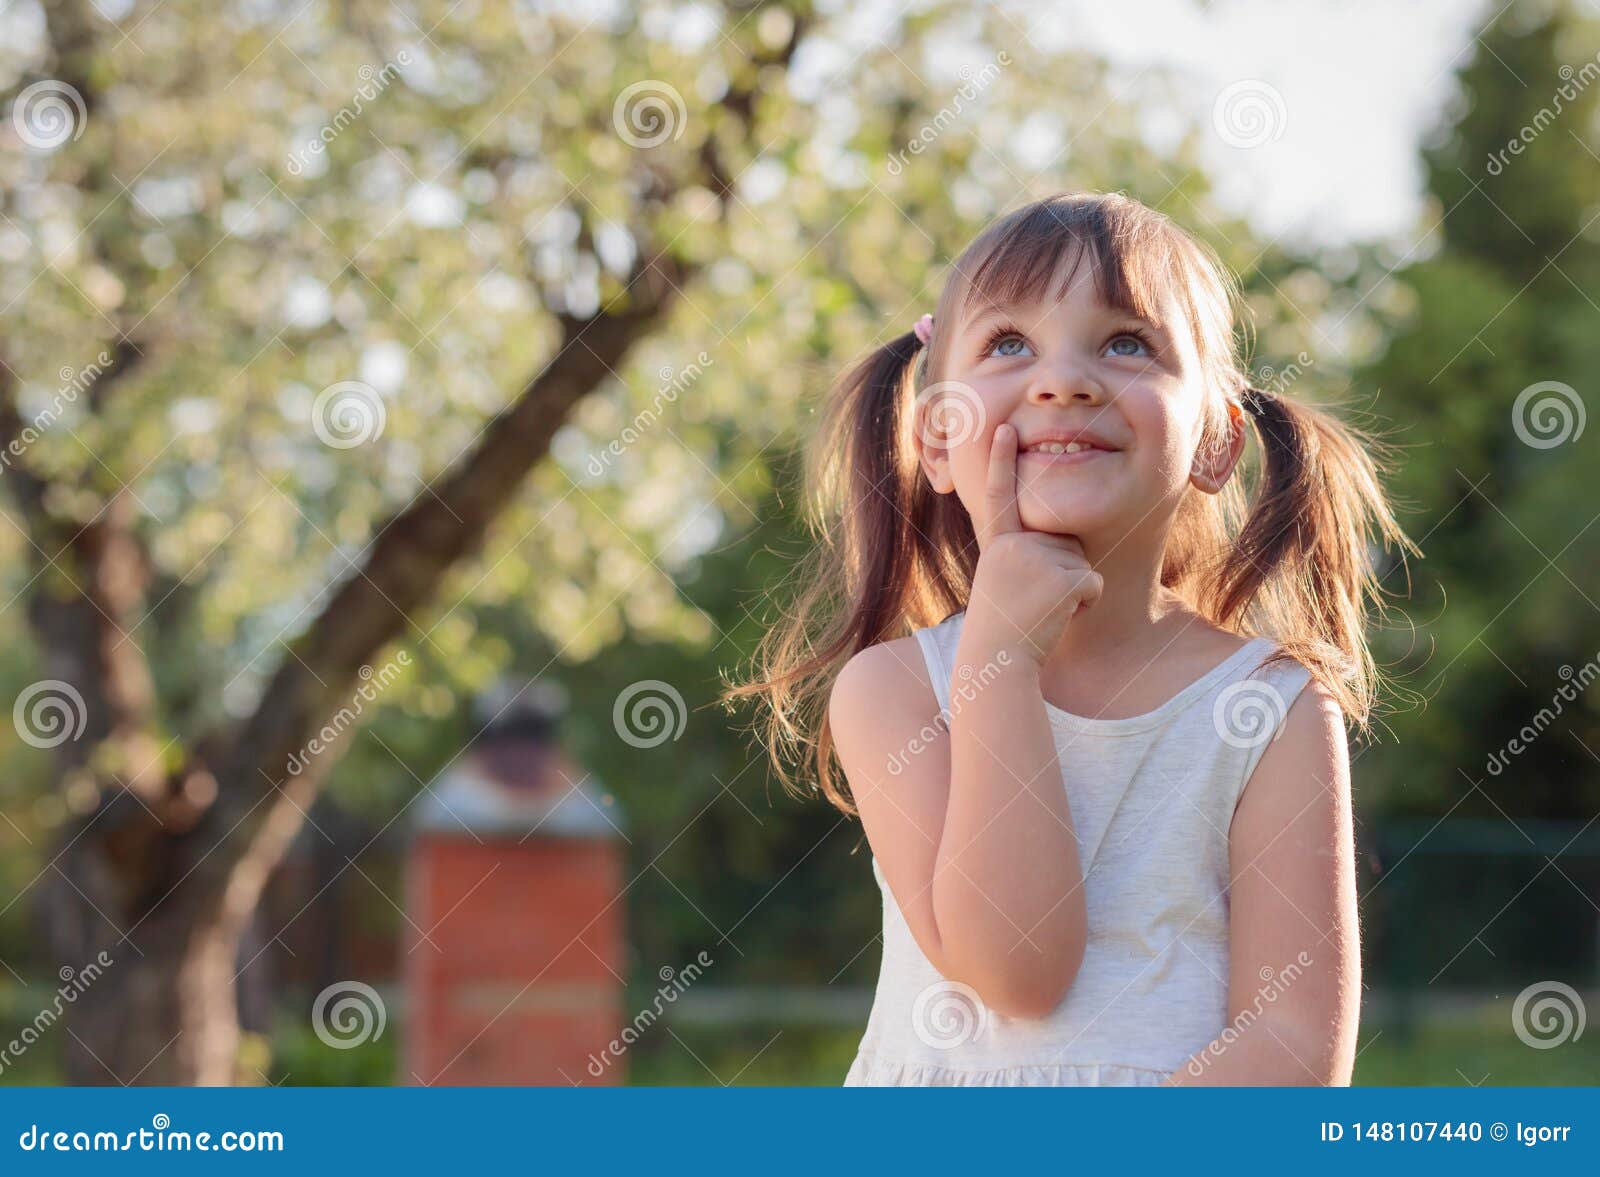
x=994, y=310
x=1158, y=328
x=982, y=313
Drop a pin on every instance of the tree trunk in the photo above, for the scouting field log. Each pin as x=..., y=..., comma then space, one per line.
x=165, y=1018
x=150, y=984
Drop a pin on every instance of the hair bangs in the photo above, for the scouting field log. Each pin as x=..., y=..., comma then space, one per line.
x=1035, y=254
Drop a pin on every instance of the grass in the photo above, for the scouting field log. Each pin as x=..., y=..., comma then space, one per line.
x=702, y=1056
x=1482, y=1050
x=1478, y=1048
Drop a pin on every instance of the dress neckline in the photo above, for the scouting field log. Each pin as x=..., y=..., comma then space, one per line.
x=1129, y=724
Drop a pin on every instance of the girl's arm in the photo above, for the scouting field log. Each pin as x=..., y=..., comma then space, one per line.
x=1294, y=988
x=969, y=823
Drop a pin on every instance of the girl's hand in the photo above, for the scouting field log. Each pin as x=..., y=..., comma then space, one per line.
x=1028, y=584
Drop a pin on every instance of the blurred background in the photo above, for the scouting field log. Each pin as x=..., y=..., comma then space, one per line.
x=400, y=418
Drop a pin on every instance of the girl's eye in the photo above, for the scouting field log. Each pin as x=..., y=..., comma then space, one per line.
x=1000, y=342
x=1120, y=345
x=1006, y=341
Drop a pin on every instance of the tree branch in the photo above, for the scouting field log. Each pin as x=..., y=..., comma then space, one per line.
x=404, y=568
x=261, y=804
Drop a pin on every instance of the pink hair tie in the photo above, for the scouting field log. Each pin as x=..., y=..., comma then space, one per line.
x=924, y=329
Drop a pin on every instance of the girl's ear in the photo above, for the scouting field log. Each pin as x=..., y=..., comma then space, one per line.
x=1215, y=459
x=932, y=446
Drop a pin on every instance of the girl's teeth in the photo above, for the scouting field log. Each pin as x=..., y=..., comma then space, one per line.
x=1055, y=447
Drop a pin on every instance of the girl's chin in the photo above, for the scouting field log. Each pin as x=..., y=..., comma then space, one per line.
x=1061, y=518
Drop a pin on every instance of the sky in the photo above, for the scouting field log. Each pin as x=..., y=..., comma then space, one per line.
x=1350, y=90
x=1317, y=106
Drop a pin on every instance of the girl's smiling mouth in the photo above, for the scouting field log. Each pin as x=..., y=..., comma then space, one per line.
x=1079, y=445
x=1057, y=456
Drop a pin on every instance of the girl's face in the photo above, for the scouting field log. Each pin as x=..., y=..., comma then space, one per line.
x=1123, y=392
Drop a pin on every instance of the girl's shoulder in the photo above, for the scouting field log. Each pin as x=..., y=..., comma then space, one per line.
x=1205, y=644
x=1237, y=670
x=882, y=702
x=892, y=672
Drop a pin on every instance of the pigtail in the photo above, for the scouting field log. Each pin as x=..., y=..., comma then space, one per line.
x=1303, y=561
x=880, y=563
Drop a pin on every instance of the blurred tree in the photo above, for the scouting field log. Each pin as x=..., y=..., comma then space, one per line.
x=168, y=210
x=295, y=303
x=1501, y=301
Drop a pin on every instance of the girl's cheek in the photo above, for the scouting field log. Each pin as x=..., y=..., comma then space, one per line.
x=971, y=469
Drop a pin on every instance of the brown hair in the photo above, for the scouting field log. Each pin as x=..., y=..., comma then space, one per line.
x=893, y=555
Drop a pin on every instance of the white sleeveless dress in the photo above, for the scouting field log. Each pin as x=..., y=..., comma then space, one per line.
x=1152, y=798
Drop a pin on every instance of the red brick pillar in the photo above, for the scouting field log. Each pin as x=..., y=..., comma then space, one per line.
x=514, y=947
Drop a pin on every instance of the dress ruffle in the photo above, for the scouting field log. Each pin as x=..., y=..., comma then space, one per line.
x=870, y=1071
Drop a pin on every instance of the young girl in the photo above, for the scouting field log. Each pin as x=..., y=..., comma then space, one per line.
x=1089, y=701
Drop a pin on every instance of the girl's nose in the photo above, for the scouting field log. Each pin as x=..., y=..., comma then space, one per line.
x=1063, y=382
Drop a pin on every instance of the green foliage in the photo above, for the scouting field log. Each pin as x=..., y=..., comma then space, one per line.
x=300, y=1059
x=1503, y=608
